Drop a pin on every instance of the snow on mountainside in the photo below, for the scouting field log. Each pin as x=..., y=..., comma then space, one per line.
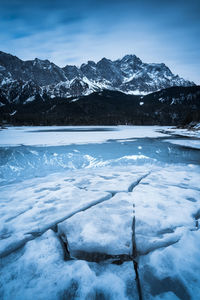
x=22, y=80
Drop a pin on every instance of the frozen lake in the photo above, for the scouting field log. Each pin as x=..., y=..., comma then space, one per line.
x=99, y=213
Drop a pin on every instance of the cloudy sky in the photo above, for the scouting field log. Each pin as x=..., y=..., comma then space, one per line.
x=72, y=32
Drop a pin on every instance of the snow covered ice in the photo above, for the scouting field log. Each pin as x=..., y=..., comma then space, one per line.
x=99, y=213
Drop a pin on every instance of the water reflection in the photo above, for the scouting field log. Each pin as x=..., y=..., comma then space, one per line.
x=22, y=162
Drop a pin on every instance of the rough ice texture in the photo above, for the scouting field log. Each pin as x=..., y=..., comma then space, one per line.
x=167, y=202
x=38, y=271
x=173, y=271
x=41, y=203
x=167, y=234
x=105, y=228
x=28, y=212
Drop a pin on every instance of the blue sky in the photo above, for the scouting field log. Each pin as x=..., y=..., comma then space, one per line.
x=72, y=32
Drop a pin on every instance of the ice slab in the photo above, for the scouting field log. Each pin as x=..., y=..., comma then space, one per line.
x=28, y=210
x=105, y=228
x=39, y=272
x=167, y=202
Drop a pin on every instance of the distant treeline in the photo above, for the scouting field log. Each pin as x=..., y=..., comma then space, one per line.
x=172, y=106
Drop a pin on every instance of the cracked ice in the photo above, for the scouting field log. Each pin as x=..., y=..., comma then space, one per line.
x=116, y=218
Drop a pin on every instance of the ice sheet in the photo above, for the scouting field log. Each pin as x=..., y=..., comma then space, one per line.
x=59, y=135
x=82, y=197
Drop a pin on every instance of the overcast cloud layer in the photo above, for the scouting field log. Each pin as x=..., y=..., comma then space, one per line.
x=72, y=32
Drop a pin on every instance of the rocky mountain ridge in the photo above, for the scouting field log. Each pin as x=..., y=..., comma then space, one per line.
x=22, y=81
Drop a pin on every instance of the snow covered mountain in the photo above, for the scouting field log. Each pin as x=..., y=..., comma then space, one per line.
x=22, y=81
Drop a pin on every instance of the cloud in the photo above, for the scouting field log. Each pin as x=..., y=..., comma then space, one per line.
x=76, y=31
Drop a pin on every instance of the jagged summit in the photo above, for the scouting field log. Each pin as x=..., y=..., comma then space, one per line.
x=129, y=75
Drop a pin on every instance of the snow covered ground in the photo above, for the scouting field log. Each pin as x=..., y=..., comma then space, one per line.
x=98, y=213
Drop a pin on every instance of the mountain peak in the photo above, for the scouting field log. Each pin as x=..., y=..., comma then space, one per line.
x=130, y=57
x=91, y=63
x=104, y=60
x=39, y=61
